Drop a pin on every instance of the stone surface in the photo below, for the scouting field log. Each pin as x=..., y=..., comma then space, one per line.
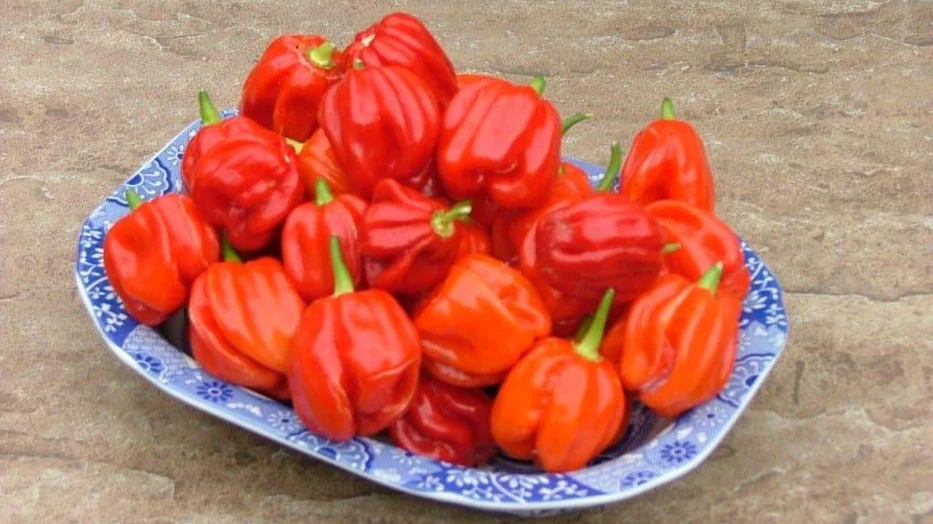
x=819, y=120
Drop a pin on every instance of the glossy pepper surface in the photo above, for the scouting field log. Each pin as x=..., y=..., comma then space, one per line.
x=306, y=241
x=241, y=320
x=679, y=343
x=562, y=404
x=703, y=240
x=667, y=161
x=284, y=89
x=247, y=184
x=400, y=39
x=381, y=122
x=446, y=422
x=473, y=239
x=479, y=321
x=355, y=361
x=154, y=254
x=500, y=139
x=408, y=240
x=316, y=160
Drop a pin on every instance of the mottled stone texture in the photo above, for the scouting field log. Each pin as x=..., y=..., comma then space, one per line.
x=819, y=121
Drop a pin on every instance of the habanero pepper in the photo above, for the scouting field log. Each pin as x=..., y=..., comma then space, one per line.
x=667, y=161
x=446, y=422
x=479, y=321
x=316, y=160
x=408, y=240
x=500, y=139
x=400, y=39
x=306, y=240
x=473, y=239
x=241, y=320
x=154, y=254
x=381, y=122
x=283, y=91
x=562, y=404
x=355, y=360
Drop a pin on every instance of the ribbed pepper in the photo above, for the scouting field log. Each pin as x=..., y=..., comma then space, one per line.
x=316, y=160
x=355, y=361
x=479, y=321
x=154, y=254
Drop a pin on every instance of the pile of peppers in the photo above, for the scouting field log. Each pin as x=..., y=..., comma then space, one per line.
x=397, y=249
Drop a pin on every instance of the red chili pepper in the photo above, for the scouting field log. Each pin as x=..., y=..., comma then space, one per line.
x=247, y=184
x=500, y=139
x=703, y=240
x=447, y=423
x=562, y=404
x=284, y=89
x=479, y=321
x=153, y=255
x=680, y=342
x=408, y=241
x=382, y=122
x=667, y=161
x=473, y=239
x=316, y=160
x=400, y=39
x=241, y=320
x=355, y=360
x=306, y=237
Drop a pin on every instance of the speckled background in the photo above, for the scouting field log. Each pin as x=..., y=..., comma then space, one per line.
x=819, y=121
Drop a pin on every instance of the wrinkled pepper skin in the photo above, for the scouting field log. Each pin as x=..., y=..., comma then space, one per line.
x=400, y=39
x=562, y=404
x=247, y=185
x=667, y=161
x=381, y=122
x=284, y=89
x=306, y=240
x=153, y=255
x=500, y=139
x=316, y=160
x=408, y=240
x=355, y=360
x=679, y=343
x=704, y=239
x=479, y=321
x=447, y=423
x=241, y=320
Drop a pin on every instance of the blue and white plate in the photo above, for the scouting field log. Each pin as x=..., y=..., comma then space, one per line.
x=653, y=452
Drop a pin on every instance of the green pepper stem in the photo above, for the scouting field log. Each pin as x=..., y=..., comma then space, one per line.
x=229, y=254
x=296, y=145
x=612, y=170
x=667, y=109
x=322, y=193
x=538, y=84
x=132, y=198
x=583, y=328
x=588, y=346
x=442, y=222
x=710, y=279
x=209, y=113
x=343, y=282
x=573, y=120
x=322, y=55
x=670, y=247
x=358, y=63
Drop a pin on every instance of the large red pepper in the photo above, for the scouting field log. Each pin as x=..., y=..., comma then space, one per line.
x=382, y=122
x=679, y=342
x=562, y=404
x=241, y=320
x=154, y=254
x=316, y=161
x=213, y=131
x=479, y=321
x=284, y=89
x=500, y=139
x=247, y=184
x=703, y=240
x=400, y=39
x=667, y=161
x=446, y=422
x=306, y=240
x=355, y=360
x=408, y=240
